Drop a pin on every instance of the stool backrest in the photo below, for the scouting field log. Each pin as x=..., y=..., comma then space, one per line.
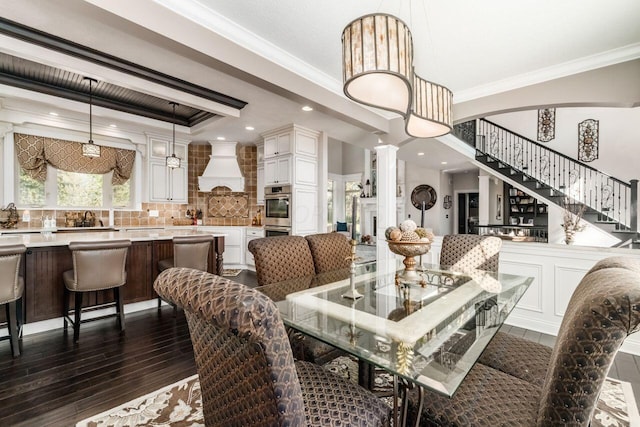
x=99, y=265
x=10, y=287
x=192, y=251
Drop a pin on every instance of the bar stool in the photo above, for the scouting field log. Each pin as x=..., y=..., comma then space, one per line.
x=11, y=289
x=96, y=266
x=188, y=252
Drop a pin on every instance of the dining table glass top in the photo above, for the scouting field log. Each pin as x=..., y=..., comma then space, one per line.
x=430, y=330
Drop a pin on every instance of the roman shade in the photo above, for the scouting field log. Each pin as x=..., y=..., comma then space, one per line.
x=34, y=152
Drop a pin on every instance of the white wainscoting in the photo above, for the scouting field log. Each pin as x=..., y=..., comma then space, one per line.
x=557, y=270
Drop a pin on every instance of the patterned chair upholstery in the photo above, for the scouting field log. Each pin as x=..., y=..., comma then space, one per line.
x=530, y=360
x=471, y=252
x=281, y=258
x=603, y=310
x=247, y=372
x=330, y=251
x=288, y=259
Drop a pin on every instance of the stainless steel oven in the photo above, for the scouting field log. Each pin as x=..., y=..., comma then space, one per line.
x=277, y=206
x=274, y=230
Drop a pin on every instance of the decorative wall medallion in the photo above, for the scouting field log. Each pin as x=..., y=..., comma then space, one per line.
x=588, y=140
x=546, y=124
x=423, y=194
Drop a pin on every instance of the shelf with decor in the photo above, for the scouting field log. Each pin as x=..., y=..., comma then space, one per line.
x=523, y=208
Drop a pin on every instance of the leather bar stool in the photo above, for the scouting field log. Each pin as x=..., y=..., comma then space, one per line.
x=11, y=289
x=188, y=252
x=96, y=266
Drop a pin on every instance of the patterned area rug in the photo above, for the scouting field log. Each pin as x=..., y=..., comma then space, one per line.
x=231, y=272
x=180, y=404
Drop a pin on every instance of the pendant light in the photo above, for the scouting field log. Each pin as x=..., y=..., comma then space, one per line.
x=90, y=149
x=377, y=57
x=173, y=161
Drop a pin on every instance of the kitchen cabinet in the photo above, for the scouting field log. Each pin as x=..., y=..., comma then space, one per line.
x=277, y=145
x=166, y=184
x=277, y=171
x=251, y=234
x=260, y=182
x=233, y=244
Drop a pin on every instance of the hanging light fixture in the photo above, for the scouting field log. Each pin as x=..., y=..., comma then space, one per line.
x=173, y=161
x=89, y=149
x=377, y=53
x=430, y=113
x=377, y=56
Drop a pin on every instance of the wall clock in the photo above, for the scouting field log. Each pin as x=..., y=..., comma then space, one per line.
x=423, y=193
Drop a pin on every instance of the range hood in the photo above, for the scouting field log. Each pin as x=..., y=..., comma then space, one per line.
x=223, y=169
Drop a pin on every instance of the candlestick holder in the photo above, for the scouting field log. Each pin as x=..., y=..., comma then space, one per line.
x=352, y=293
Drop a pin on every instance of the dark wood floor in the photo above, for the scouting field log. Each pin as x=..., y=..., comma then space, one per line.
x=57, y=383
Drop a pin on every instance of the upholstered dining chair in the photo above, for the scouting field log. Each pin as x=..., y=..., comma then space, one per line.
x=285, y=259
x=11, y=290
x=281, y=258
x=188, y=252
x=248, y=375
x=603, y=310
x=330, y=251
x=465, y=252
x=96, y=266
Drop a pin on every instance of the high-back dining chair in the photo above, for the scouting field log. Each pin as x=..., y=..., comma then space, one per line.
x=466, y=252
x=96, y=266
x=188, y=252
x=247, y=372
x=288, y=259
x=330, y=251
x=11, y=290
x=603, y=310
x=281, y=258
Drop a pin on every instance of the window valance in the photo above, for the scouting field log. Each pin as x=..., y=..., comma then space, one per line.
x=34, y=152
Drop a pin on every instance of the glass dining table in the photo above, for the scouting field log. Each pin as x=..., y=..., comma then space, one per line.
x=427, y=331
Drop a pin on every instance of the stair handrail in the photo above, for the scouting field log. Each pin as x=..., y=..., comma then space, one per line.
x=555, y=152
x=570, y=177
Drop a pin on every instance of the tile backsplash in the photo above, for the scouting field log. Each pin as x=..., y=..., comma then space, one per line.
x=168, y=212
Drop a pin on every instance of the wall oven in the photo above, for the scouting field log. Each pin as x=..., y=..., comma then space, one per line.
x=277, y=206
x=274, y=230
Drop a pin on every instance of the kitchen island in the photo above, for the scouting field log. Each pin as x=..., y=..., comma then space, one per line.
x=48, y=256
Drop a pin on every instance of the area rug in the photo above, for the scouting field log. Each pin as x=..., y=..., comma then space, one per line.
x=180, y=404
x=231, y=272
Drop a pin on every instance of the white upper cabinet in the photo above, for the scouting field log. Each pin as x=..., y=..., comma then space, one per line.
x=166, y=184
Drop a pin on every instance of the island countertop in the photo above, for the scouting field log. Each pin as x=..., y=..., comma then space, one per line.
x=33, y=240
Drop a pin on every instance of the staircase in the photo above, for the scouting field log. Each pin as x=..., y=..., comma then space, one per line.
x=610, y=204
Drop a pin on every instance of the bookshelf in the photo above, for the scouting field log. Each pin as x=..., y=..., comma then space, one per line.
x=524, y=209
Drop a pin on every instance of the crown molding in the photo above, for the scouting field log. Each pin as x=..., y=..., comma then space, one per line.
x=581, y=65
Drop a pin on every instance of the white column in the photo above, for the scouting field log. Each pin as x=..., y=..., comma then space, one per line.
x=386, y=201
x=483, y=202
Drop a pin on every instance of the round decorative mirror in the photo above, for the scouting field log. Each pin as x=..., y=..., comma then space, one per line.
x=423, y=193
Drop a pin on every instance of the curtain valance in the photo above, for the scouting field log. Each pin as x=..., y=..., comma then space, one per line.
x=34, y=152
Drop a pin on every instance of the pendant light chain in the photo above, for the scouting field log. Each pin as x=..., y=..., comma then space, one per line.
x=172, y=161
x=90, y=111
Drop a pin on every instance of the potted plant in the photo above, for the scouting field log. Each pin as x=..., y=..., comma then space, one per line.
x=572, y=219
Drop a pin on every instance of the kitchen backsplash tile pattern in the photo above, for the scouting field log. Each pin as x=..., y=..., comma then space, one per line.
x=167, y=212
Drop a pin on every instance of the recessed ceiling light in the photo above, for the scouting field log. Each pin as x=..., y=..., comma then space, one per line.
x=221, y=138
x=421, y=154
x=307, y=108
x=249, y=127
x=53, y=113
x=380, y=141
x=443, y=163
x=113, y=125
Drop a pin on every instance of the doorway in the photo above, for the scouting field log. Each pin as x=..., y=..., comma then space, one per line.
x=467, y=213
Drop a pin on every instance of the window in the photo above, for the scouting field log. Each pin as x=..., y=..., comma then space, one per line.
x=351, y=190
x=72, y=190
x=330, y=185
